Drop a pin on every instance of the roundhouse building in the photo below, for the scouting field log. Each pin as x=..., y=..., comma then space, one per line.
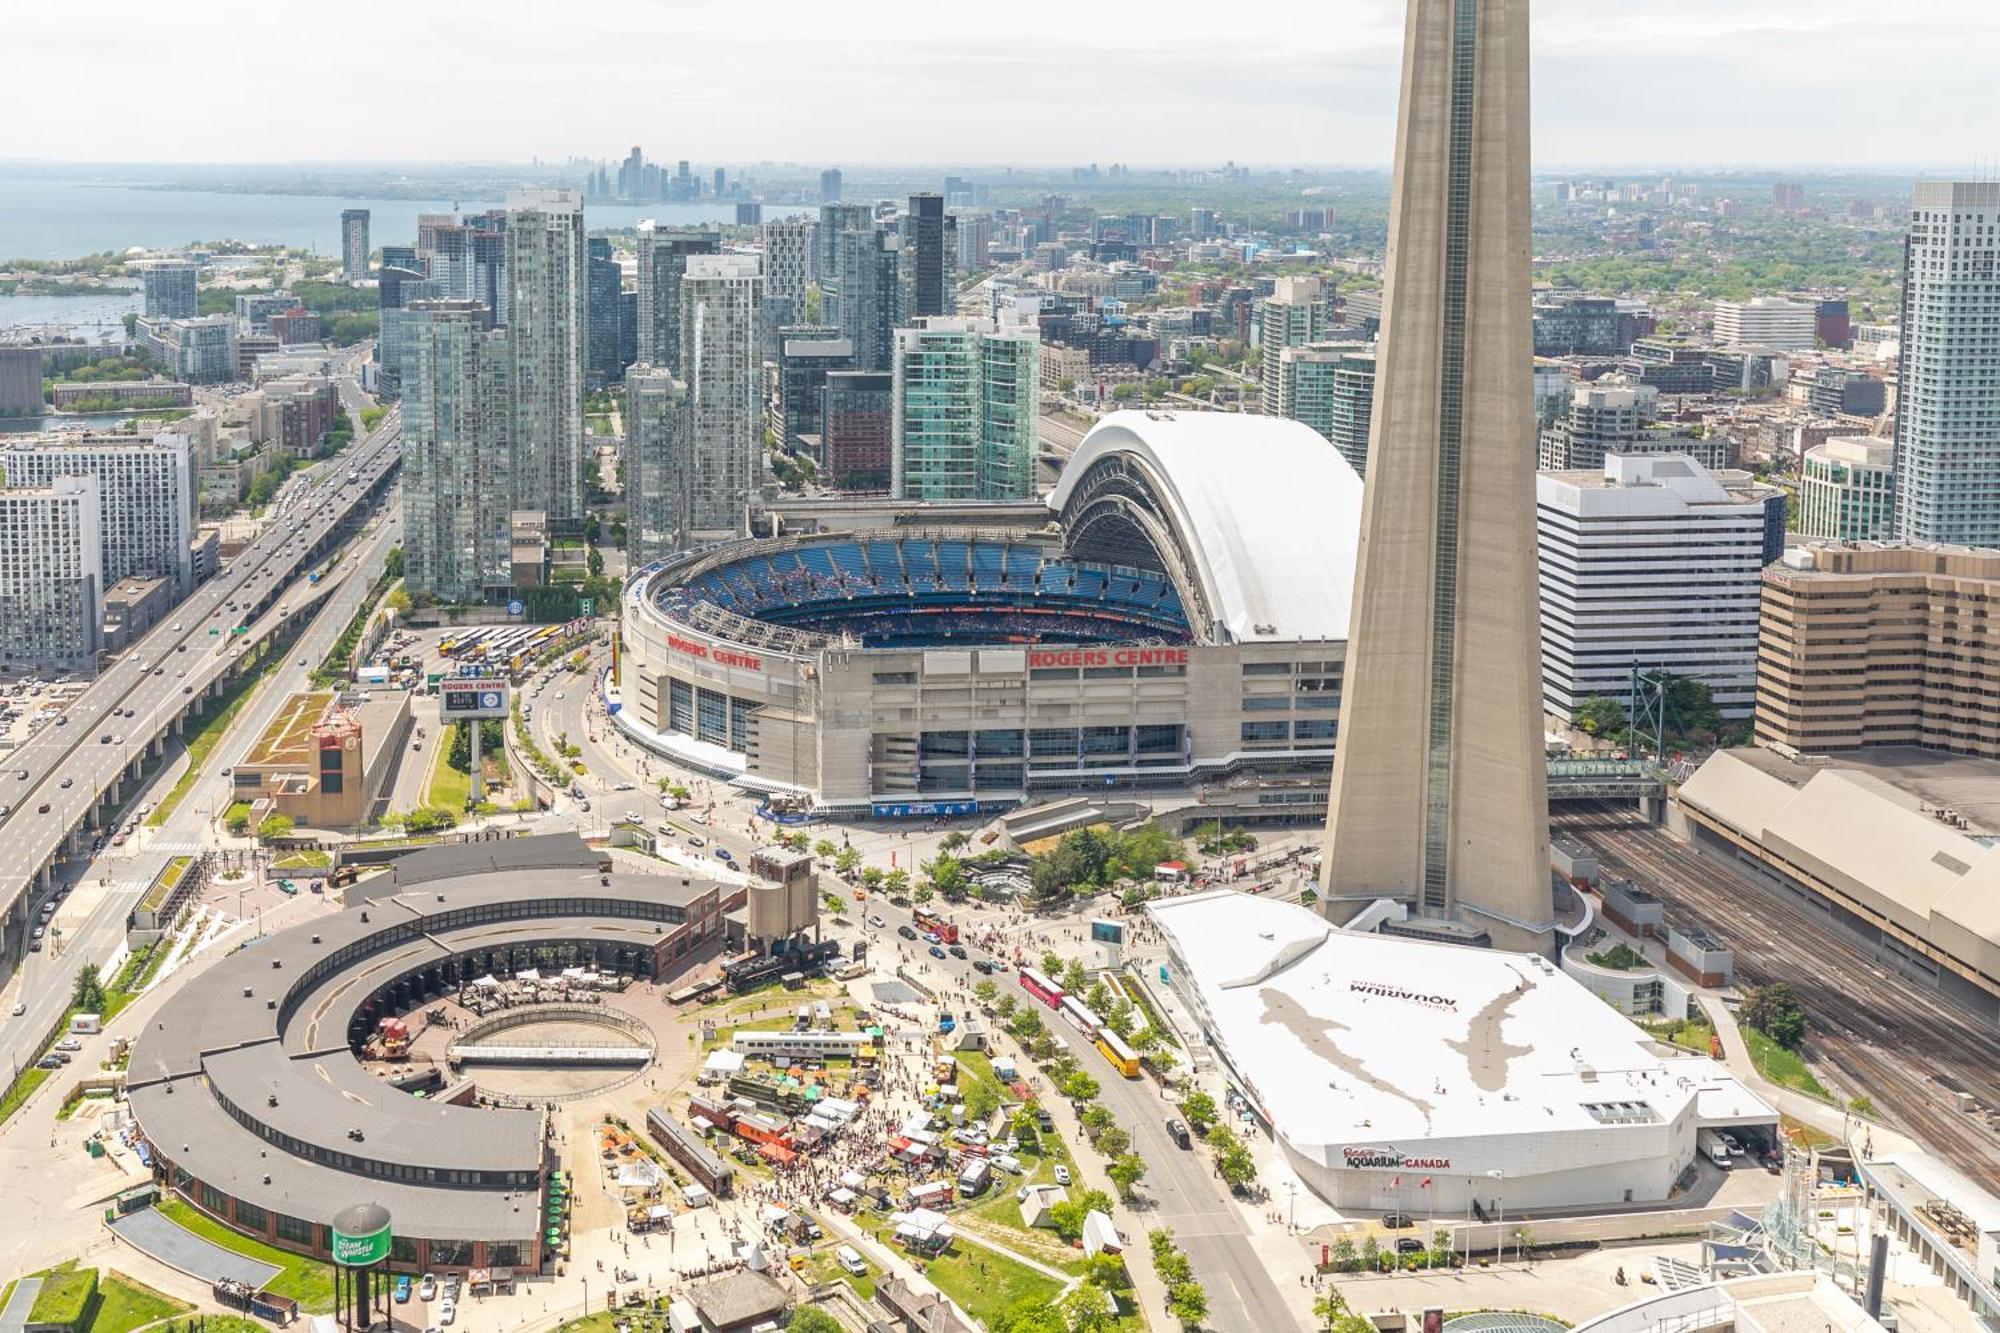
x=1182, y=615
x=256, y=1110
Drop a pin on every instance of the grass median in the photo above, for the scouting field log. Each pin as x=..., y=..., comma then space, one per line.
x=306, y=1281
x=217, y=720
x=1785, y=1068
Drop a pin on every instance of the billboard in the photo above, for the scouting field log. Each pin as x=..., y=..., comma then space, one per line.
x=459, y=700
x=1107, y=932
x=361, y=1251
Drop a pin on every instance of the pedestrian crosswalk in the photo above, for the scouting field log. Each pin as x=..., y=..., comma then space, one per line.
x=175, y=846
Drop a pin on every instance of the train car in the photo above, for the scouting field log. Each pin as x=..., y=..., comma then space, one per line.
x=1080, y=1016
x=1121, y=1056
x=1041, y=987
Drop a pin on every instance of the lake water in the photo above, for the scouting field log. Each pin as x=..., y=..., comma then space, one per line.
x=43, y=218
x=72, y=421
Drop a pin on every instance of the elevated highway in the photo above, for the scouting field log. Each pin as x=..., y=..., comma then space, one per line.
x=58, y=786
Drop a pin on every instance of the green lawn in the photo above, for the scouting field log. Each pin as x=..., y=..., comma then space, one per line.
x=447, y=789
x=23, y=1087
x=983, y=1283
x=306, y=1281
x=1782, y=1067
x=208, y=736
x=303, y=860
x=66, y=1295
x=123, y=1305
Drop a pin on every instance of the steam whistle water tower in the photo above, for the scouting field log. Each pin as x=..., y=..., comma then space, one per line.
x=360, y=1246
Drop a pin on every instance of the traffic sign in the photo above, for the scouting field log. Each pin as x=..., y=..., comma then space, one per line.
x=586, y=606
x=516, y=608
x=459, y=699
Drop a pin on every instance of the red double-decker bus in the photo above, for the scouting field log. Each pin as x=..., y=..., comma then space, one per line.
x=932, y=922
x=1041, y=988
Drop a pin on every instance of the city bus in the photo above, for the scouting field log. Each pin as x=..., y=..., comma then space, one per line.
x=1080, y=1017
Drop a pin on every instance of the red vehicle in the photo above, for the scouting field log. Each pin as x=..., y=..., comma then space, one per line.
x=935, y=924
x=1041, y=987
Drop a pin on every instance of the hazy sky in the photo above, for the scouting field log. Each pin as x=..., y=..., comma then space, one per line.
x=1281, y=81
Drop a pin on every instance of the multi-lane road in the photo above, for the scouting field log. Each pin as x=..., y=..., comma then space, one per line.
x=54, y=783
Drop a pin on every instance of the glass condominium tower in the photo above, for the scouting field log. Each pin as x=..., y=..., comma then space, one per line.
x=1439, y=799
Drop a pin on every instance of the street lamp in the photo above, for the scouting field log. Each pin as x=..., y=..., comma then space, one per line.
x=1500, y=1241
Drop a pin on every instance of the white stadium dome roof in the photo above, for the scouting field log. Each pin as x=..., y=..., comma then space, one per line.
x=1267, y=510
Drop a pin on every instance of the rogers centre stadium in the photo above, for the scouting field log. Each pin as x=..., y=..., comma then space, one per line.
x=1176, y=611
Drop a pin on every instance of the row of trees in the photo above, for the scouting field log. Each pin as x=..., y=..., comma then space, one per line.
x=1092, y=859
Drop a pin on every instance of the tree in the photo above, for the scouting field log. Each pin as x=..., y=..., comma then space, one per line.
x=459, y=757
x=1052, y=965
x=953, y=841
x=982, y=1099
x=1080, y=1087
x=812, y=1319
x=984, y=990
x=1371, y=1255
x=1187, y=1301
x=1126, y=1170
x=398, y=601
x=922, y=894
x=1098, y=997
x=1600, y=716
x=274, y=826
x=846, y=860
x=1032, y=1315
x=947, y=876
x=1005, y=1006
x=1119, y=1017
x=1343, y=1256
x=1441, y=1250
x=1096, y=1119
x=873, y=876
x=1774, y=1011
x=1026, y=1025
x=1084, y=1311
x=1027, y=1130
x=1074, y=978
x=1114, y=1141
x=1199, y=1108
x=1334, y=1316
x=826, y=849
x=897, y=882
x=796, y=839
x=87, y=995
x=1106, y=1271
x=392, y=563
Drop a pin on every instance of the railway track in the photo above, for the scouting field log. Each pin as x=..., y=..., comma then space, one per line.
x=1878, y=1034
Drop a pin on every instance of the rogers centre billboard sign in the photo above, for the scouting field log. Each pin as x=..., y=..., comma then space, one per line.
x=1097, y=657
x=722, y=656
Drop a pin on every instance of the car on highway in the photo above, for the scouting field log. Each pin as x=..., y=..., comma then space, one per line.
x=932, y=937
x=906, y=932
x=1178, y=1132
x=104, y=739
x=877, y=922
x=42, y=809
x=20, y=1007
x=22, y=775
x=985, y=967
x=623, y=786
x=937, y=951
x=957, y=951
x=722, y=854
x=68, y=783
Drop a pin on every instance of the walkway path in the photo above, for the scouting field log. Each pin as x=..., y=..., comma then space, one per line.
x=15, y=1316
x=175, y=1246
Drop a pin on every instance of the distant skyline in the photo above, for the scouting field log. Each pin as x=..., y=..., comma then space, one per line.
x=1830, y=83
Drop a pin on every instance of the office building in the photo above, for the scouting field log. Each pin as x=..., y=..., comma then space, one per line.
x=966, y=396
x=1767, y=321
x=169, y=288
x=1294, y=314
x=604, y=308
x=1653, y=562
x=457, y=490
x=1588, y=325
x=865, y=301
x=1439, y=799
x=857, y=431
x=975, y=241
x=1838, y=392
x=1870, y=645
x=1847, y=489
x=1948, y=397
x=829, y=186
x=51, y=576
x=749, y=213
x=722, y=299
x=144, y=495
x=354, y=243
x=294, y=326
x=926, y=265
x=657, y=479
x=663, y=257
x=254, y=309
x=20, y=381
x=807, y=355
x=545, y=331
x=197, y=351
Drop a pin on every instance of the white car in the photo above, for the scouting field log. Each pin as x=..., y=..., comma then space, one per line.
x=1062, y=1174
x=447, y=1310
x=623, y=786
x=427, y=1290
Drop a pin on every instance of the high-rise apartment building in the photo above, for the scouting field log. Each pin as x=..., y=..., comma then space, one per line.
x=1440, y=798
x=545, y=331
x=657, y=464
x=1767, y=321
x=354, y=243
x=926, y=266
x=1306, y=379
x=722, y=299
x=966, y=395
x=466, y=257
x=806, y=356
x=857, y=431
x=1294, y=314
x=975, y=239
x=1847, y=489
x=51, y=576
x=1352, y=407
x=829, y=186
x=605, y=282
x=458, y=491
x=1653, y=562
x=1948, y=396
x=866, y=298
x=145, y=496
x=20, y=381
x=1880, y=645
x=788, y=269
x=169, y=288
x=663, y=256
x=834, y=220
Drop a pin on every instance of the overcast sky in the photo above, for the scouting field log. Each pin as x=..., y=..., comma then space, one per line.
x=1281, y=81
